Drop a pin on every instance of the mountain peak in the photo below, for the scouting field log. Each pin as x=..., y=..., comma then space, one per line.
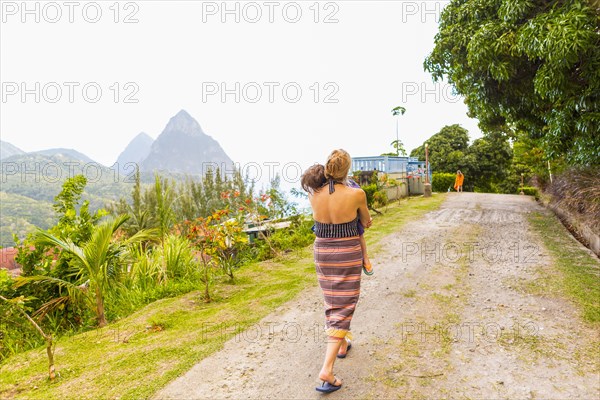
x=183, y=122
x=183, y=147
x=142, y=136
x=183, y=114
x=136, y=151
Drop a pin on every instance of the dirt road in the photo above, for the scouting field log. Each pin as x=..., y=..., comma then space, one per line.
x=451, y=312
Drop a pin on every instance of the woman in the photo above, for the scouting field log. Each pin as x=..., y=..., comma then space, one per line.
x=338, y=257
x=458, y=182
x=313, y=180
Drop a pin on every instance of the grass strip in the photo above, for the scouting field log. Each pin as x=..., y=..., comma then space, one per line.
x=579, y=269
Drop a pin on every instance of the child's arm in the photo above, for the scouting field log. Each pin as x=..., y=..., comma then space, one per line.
x=363, y=211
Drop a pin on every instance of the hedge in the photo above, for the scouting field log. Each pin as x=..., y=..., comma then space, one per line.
x=441, y=181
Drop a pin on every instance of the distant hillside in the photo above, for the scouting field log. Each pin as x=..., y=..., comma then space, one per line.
x=136, y=151
x=20, y=215
x=40, y=177
x=65, y=153
x=184, y=147
x=7, y=150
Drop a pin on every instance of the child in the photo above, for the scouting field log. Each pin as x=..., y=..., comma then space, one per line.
x=313, y=180
x=458, y=182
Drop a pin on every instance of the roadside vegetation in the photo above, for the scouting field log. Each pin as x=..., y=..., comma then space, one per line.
x=578, y=269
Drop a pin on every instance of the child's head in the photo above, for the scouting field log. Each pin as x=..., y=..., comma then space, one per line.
x=313, y=178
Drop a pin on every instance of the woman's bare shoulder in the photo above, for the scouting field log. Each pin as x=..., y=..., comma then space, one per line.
x=357, y=191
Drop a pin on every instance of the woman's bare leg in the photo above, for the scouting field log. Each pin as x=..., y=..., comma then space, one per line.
x=363, y=246
x=333, y=347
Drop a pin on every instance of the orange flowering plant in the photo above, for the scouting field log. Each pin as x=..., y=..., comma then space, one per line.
x=218, y=238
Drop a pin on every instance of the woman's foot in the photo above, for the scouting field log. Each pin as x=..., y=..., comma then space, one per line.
x=345, y=346
x=328, y=387
x=328, y=377
x=367, y=267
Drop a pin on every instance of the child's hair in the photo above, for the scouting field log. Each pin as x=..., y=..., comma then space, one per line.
x=313, y=178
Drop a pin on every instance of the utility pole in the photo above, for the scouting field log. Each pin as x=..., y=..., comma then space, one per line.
x=427, y=185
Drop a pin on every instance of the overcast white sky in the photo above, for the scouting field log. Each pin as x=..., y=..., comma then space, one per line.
x=372, y=57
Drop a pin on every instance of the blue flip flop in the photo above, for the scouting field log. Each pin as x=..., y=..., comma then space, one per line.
x=347, y=350
x=327, y=387
x=367, y=272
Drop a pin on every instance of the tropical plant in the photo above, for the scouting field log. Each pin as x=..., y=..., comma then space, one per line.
x=216, y=237
x=397, y=144
x=96, y=263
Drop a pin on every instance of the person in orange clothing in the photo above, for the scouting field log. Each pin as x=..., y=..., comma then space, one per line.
x=458, y=182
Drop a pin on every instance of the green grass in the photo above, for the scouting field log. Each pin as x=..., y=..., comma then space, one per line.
x=579, y=276
x=138, y=355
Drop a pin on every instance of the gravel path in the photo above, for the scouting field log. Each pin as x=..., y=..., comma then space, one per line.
x=454, y=310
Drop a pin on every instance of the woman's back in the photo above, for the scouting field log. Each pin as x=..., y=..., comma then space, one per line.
x=338, y=207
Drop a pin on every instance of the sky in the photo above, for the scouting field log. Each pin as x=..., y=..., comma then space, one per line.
x=278, y=84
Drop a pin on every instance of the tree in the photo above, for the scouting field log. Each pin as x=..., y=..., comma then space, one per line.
x=97, y=263
x=397, y=144
x=447, y=149
x=488, y=161
x=19, y=305
x=398, y=147
x=76, y=224
x=530, y=66
x=215, y=237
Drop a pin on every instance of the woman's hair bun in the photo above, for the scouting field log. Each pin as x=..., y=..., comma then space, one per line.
x=338, y=165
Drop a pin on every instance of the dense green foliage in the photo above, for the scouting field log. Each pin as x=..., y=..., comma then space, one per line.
x=374, y=189
x=531, y=191
x=526, y=66
x=442, y=181
x=447, y=149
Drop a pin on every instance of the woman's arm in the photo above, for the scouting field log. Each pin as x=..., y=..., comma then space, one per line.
x=363, y=211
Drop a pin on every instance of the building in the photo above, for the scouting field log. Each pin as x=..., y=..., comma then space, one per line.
x=8, y=261
x=407, y=170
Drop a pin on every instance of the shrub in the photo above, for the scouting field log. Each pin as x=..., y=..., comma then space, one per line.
x=177, y=257
x=531, y=191
x=441, y=181
x=298, y=235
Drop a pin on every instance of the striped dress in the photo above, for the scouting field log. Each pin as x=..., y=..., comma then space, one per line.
x=338, y=261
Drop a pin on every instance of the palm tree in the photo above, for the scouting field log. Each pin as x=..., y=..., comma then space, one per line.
x=399, y=147
x=396, y=112
x=97, y=262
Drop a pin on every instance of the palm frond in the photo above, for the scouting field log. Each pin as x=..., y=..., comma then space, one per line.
x=74, y=290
